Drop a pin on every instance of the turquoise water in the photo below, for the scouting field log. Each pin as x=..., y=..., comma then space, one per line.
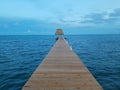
x=20, y=55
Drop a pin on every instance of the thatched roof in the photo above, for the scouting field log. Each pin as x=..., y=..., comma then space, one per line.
x=59, y=32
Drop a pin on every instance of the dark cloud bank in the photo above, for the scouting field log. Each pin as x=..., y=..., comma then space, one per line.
x=104, y=17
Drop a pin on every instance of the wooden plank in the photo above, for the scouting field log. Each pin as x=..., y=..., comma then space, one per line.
x=62, y=70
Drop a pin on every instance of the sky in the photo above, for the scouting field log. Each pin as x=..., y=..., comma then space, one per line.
x=43, y=17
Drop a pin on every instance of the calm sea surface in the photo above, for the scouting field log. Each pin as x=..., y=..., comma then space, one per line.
x=20, y=55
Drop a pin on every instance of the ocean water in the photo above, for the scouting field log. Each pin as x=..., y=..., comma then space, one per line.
x=20, y=55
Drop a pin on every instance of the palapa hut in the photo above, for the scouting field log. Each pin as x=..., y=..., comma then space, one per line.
x=59, y=33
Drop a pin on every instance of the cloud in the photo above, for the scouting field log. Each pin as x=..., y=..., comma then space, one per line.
x=92, y=19
x=115, y=13
x=95, y=18
x=103, y=18
x=69, y=14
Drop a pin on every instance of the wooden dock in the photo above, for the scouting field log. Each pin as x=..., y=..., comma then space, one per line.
x=62, y=70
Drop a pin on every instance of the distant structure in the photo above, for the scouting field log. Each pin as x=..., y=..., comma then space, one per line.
x=59, y=33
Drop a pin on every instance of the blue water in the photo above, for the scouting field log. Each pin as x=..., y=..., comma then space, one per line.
x=20, y=55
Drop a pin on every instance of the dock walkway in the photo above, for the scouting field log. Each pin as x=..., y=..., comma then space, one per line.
x=62, y=70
